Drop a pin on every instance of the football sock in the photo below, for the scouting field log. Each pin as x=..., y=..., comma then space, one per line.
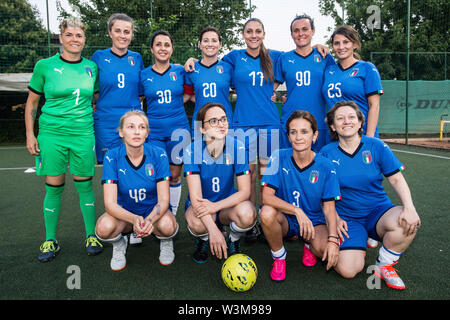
x=237, y=232
x=387, y=257
x=280, y=254
x=175, y=195
x=87, y=204
x=52, y=208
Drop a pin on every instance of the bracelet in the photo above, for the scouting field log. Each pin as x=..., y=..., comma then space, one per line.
x=330, y=241
x=336, y=237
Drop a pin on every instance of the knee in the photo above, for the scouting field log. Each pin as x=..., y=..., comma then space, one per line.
x=105, y=227
x=246, y=214
x=196, y=226
x=167, y=225
x=349, y=270
x=267, y=215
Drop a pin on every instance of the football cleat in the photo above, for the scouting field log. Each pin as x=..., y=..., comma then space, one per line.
x=201, y=250
x=278, y=272
x=134, y=241
x=49, y=249
x=118, y=260
x=371, y=243
x=233, y=247
x=389, y=275
x=166, y=254
x=93, y=246
x=308, y=259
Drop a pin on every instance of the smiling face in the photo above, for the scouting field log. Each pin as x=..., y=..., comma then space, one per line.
x=343, y=47
x=134, y=130
x=121, y=34
x=72, y=39
x=301, y=134
x=210, y=44
x=302, y=33
x=253, y=35
x=162, y=48
x=215, y=124
x=346, y=122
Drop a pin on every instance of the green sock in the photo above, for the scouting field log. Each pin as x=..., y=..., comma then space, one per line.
x=87, y=205
x=52, y=208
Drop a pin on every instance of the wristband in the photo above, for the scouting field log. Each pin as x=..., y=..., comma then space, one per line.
x=330, y=241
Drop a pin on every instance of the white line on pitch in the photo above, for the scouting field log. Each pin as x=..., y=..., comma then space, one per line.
x=25, y=168
x=422, y=154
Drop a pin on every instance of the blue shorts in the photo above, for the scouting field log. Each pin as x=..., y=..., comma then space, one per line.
x=173, y=148
x=260, y=141
x=106, y=137
x=294, y=228
x=322, y=139
x=359, y=229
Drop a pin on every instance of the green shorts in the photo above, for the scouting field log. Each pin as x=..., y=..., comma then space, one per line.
x=60, y=151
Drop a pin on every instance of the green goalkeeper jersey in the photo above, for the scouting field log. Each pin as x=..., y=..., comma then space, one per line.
x=68, y=88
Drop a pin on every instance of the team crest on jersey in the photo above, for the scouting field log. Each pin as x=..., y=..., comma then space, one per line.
x=314, y=176
x=219, y=69
x=367, y=156
x=227, y=158
x=131, y=61
x=354, y=72
x=317, y=58
x=88, y=71
x=149, y=169
x=173, y=76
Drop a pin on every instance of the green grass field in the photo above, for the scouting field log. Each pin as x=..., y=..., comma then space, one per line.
x=424, y=267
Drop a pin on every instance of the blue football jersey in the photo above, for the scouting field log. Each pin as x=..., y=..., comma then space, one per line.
x=304, y=188
x=118, y=82
x=164, y=95
x=136, y=186
x=361, y=174
x=356, y=83
x=216, y=174
x=211, y=84
x=304, y=80
x=253, y=105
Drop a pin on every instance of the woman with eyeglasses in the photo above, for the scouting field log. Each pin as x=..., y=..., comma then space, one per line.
x=211, y=165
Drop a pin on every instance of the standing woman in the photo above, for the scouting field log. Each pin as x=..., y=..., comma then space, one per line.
x=299, y=192
x=211, y=79
x=302, y=69
x=353, y=79
x=256, y=118
x=118, y=83
x=136, y=191
x=211, y=165
x=66, y=132
x=163, y=85
x=365, y=209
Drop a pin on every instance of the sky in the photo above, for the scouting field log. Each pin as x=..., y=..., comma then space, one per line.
x=275, y=14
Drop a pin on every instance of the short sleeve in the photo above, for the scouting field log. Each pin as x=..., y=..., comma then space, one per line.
x=190, y=165
x=388, y=162
x=372, y=81
x=162, y=167
x=37, y=81
x=331, y=191
x=109, y=174
x=271, y=176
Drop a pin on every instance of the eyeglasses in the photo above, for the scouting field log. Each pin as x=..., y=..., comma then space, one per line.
x=214, y=122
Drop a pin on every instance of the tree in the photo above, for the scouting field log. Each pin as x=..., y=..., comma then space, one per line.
x=183, y=19
x=23, y=38
x=429, y=33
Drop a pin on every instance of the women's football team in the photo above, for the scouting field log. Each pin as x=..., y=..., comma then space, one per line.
x=320, y=167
